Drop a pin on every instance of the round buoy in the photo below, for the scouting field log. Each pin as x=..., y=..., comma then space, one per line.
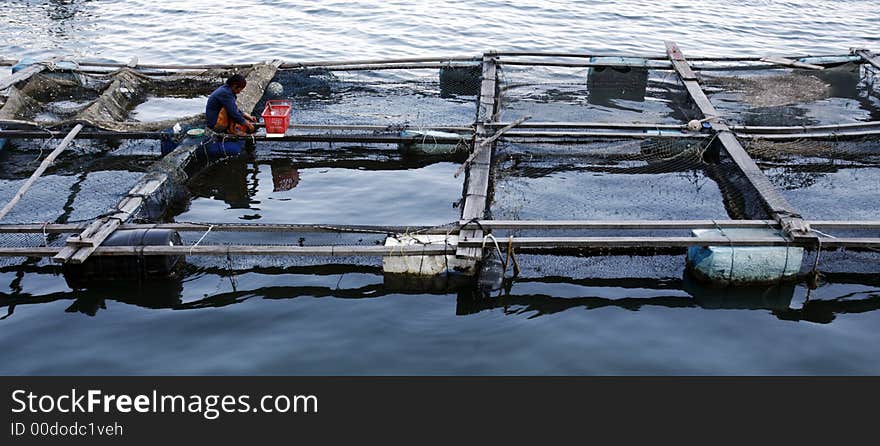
x=695, y=125
x=275, y=89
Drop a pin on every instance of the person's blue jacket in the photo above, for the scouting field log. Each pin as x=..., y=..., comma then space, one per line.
x=222, y=97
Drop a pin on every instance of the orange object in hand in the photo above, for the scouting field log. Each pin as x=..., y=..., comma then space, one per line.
x=225, y=126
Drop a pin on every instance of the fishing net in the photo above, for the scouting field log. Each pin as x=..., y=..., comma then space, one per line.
x=646, y=179
x=824, y=179
x=397, y=98
x=792, y=97
x=864, y=150
x=633, y=95
x=770, y=90
x=105, y=100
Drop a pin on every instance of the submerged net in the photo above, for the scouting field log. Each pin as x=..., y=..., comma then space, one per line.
x=649, y=179
x=611, y=95
x=864, y=151
x=794, y=97
x=396, y=98
x=773, y=89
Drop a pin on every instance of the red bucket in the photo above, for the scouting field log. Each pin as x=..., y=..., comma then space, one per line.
x=276, y=115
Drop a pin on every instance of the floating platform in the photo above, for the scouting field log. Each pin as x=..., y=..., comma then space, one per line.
x=554, y=154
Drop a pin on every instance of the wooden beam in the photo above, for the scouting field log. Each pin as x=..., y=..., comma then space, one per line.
x=42, y=168
x=588, y=125
x=623, y=224
x=804, y=128
x=791, y=63
x=644, y=134
x=61, y=228
x=869, y=57
x=486, y=142
x=649, y=64
x=677, y=242
x=381, y=61
x=477, y=190
x=537, y=243
x=679, y=64
x=790, y=133
x=222, y=250
x=779, y=208
x=282, y=65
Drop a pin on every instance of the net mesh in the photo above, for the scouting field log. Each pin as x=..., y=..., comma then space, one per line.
x=824, y=179
x=794, y=97
x=394, y=98
x=592, y=95
x=647, y=179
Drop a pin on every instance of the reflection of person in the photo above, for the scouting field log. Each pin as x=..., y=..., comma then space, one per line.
x=221, y=112
x=284, y=176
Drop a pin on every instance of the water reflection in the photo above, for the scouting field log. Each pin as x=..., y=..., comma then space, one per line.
x=532, y=297
x=284, y=175
x=779, y=300
x=228, y=181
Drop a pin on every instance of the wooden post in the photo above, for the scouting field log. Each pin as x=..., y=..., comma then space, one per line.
x=42, y=168
x=781, y=211
x=477, y=183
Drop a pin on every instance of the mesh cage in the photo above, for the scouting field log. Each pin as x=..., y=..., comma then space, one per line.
x=643, y=179
x=395, y=98
x=123, y=100
x=597, y=94
x=824, y=179
x=792, y=97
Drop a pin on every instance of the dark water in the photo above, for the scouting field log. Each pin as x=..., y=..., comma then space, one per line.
x=562, y=315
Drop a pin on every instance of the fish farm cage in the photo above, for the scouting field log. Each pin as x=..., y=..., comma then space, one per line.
x=751, y=170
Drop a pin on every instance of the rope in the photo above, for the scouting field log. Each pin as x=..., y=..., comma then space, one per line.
x=702, y=152
x=490, y=236
x=202, y=238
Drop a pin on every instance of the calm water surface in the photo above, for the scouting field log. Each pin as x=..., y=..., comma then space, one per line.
x=564, y=315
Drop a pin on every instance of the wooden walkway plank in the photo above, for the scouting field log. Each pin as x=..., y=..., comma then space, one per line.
x=869, y=57
x=535, y=243
x=42, y=168
x=533, y=225
x=791, y=63
x=778, y=207
x=477, y=189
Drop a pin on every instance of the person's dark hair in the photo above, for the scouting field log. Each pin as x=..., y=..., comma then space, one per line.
x=236, y=79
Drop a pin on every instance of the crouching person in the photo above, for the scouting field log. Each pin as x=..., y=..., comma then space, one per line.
x=223, y=117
